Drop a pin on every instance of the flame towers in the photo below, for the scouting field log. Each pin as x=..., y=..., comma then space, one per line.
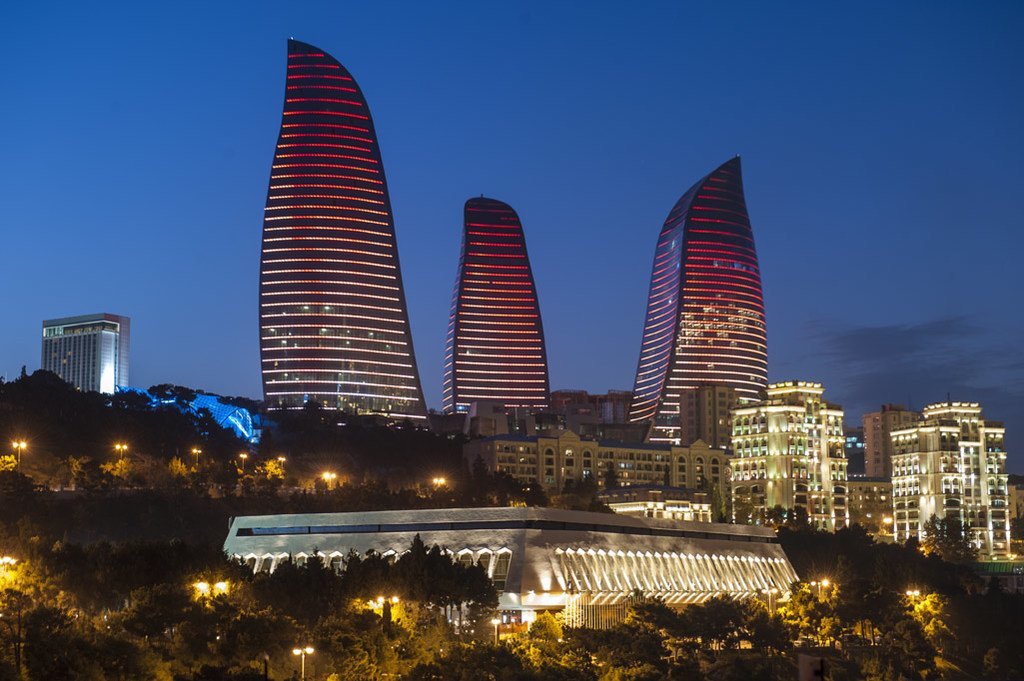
x=334, y=327
x=495, y=347
x=705, y=320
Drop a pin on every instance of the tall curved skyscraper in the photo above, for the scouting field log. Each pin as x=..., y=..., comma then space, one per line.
x=495, y=348
x=705, y=320
x=334, y=327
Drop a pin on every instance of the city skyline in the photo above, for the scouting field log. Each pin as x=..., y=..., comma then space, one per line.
x=863, y=291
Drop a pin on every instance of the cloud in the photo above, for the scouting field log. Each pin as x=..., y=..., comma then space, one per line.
x=922, y=363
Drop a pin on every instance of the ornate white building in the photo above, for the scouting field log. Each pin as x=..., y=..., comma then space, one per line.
x=788, y=452
x=952, y=463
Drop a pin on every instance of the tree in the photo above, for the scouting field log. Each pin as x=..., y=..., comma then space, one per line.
x=947, y=538
x=611, y=478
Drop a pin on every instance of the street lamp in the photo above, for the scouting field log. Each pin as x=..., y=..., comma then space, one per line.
x=770, y=594
x=196, y=452
x=329, y=478
x=121, y=449
x=308, y=650
x=204, y=589
x=440, y=482
x=19, y=447
x=243, y=456
x=495, y=622
x=6, y=562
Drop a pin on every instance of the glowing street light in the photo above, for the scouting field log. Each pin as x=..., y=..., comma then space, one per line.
x=121, y=449
x=7, y=562
x=770, y=597
x=204, y=589
x=820, y=585
x=495, y=622
x=329, y=477
x=912, y=593
x=196, y=452
x=243, y=457
x=440, y=482
x=19, y=447
x=308, y=650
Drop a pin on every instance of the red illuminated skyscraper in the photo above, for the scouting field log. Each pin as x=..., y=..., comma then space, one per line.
x=495, y=348
x=334, y=327
x=705, y=320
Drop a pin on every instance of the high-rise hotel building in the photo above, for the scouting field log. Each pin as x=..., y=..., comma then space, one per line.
x=788, y=452
x=952, y=464
x=334, y=327
x=495, y=348
x=89, y=351
x=705, y=321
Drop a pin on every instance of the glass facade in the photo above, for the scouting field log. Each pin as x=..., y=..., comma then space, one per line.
x=705, y=321
x=495, y=348
x=334, y=326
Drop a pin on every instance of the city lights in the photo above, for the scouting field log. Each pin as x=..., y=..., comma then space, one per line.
x=303, y=652
x=496, y=622
x=19, y=449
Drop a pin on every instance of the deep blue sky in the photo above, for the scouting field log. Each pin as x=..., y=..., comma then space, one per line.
x=882, y=149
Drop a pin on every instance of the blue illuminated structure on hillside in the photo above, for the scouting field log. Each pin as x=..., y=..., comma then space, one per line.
x=237, y=419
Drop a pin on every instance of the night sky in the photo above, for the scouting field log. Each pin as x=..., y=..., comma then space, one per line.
x=881, y=145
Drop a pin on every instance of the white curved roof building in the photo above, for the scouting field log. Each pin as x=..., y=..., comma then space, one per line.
x=540, y=558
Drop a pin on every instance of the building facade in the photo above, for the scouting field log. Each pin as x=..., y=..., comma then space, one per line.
x=554, y=458
x=952, y=464
x=334, y=327
x=878, y=429
x=788, y=453
x=705, y=321
x=854, y=448
x=609, y=407
x=706, y=414
x=90, y=352
x=658, y=501
x=495, y=347
x=588, y=564
x=870, y=503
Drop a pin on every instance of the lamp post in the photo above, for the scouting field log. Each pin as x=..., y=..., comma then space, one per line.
x=19, y=447
x=243, y=457
x=329, y=477
x=302, y=652
x=196, y=452
x=770, y=598
x=121, y=449
x=495, y=622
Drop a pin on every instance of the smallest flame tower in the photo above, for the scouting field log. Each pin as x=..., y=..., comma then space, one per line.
x=495, y=349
